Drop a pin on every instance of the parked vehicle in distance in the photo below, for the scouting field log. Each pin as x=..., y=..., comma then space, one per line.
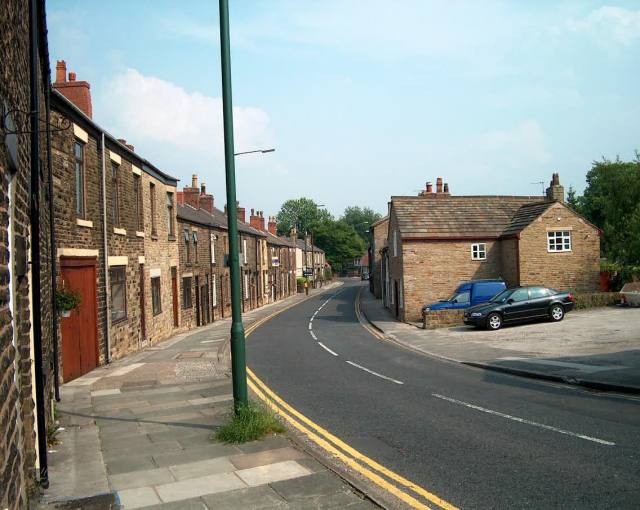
x=520, y=304
x=469, y=294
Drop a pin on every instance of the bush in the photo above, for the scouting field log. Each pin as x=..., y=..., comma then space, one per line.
x=328, y=275
x=584, y=300
x=301, y=280
x=252, y=421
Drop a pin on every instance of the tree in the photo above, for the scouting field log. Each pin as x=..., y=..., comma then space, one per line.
x=360, y=219
x=572, y=199
x=611, y=201
x=340, y=242
x=304, y=213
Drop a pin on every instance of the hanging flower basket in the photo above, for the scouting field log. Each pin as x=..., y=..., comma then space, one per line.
x=67, y=300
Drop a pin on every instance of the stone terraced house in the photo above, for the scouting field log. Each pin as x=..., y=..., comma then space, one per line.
x=115, y=221
x=27, y=320
x=436, y=240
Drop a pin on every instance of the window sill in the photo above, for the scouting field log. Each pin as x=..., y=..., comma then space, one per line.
x=139, y=234
x=118, y=321
x=84, y=223
x=119, y=231
x=158, y=313
x=171, y=238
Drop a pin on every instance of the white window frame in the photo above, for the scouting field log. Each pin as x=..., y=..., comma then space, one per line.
x=212, y=241
x=214, y=293
x=246, y=286
x=563, y=241
x=244, y=251
x=479, y=251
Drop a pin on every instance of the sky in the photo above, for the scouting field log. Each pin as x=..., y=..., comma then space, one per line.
x=363, y=100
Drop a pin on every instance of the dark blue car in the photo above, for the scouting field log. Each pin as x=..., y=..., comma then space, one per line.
x=468, y=294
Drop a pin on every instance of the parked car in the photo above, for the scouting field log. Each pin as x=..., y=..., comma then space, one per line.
x=520, y=304
x=468, y=294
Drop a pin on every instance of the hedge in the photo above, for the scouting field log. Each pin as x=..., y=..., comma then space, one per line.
x=584, y=300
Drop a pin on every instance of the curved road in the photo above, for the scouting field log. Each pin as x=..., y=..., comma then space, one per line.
x=477, y=439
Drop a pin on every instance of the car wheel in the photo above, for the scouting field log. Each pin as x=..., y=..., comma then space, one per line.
x=556, y=313
x=494, y=321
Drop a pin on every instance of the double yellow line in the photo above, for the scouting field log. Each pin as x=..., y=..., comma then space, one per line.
x=405, y=490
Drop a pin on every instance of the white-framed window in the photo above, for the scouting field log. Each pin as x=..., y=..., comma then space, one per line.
x=559, y=240
x=212, y=241
x=479, y=251
x=395, y=243
x=246, y=286
x=214, y=291
x=244, y=250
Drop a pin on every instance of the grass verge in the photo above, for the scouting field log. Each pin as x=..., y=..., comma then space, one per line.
x=252, y=421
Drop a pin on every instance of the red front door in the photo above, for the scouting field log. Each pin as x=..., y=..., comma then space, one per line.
x=80, y=329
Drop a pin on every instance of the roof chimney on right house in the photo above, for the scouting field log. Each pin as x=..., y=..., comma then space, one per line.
x=78, y=92
x=439, y=185
x=555, y=191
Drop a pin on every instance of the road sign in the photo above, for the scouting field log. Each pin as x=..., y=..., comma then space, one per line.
x=307, y=272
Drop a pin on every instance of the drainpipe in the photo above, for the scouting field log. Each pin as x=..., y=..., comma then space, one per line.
x=34, y=217
x=54, y=265
x=105, y=249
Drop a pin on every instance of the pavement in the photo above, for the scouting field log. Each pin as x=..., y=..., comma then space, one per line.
x=597, y=348
x=138, y=434
x=420, y=431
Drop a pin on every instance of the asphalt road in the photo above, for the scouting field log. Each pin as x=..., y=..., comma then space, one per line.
x=477, y=439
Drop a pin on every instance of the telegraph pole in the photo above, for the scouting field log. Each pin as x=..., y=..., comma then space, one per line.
x=238, y=356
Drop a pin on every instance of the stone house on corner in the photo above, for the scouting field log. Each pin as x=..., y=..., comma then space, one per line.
x=436, y=240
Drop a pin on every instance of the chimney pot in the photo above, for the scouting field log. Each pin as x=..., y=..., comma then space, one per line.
x=194, y=180
x=61, y=71
x=439, y=185
x=72, y=76
x=446, y=187
x=203, y=189
x=429, y=187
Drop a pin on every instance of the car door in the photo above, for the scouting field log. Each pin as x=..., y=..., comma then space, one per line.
x=517, y=307
x=539, y=300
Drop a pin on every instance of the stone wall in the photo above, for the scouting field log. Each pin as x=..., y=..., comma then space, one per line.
x=435, y=319
x=576, y=270
x=17, y=413
x=379, y=241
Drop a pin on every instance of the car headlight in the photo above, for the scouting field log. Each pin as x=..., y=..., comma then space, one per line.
x=427, y=309
x=476, y=314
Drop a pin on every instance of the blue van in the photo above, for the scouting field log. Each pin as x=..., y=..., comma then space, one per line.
x=468, y=294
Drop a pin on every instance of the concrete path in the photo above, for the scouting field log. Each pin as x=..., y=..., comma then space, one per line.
x=138, y=433
x=598, y=348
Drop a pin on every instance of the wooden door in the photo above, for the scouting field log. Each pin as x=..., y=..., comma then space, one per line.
x=143, y=325
x=80, y=329
x=174, y=295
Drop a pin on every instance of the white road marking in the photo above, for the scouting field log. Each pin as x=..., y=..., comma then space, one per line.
x=327, y=349
x=374, y=373
x=313, y=335
x=209, y=341
x=310, y=325
x=522, y=420
x=565, y=364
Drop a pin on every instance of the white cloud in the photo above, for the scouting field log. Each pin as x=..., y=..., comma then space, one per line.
x=155, y=110
x=609, y=24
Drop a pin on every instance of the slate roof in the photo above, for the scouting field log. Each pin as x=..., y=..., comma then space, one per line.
x=279, y=240
x=301, y=244
x=465, y=216
x=217, y=219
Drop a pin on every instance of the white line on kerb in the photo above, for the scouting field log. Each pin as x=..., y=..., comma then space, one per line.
x=522, y=420
x=326, y=348
x=313, y=335
x=374, y=373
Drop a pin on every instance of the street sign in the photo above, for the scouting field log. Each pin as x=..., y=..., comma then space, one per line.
x=307, y=272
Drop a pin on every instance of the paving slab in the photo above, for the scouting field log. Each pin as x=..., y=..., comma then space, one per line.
x=255, y=498
x=127, y=464
x=260, y=475
x=202, y=468
x=144, y=478
x=313, y=485
x=185, y=504
x=194, y=455
x=138, y=498
x=249, y=460
x=194, y=487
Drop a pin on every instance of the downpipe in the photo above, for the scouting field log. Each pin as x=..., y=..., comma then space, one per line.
x=105, y=249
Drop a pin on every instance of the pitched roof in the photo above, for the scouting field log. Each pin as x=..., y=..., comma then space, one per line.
x=300, y=243
x=217, y=219
x=279, y=240
x=462, y=216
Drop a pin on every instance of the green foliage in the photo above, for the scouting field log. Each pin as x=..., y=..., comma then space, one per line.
x=611, y=201
x=586, y=300
x=360, y=218
x=304, y=213
x=67, y=300
x=301, y=280
x=572, y=198
x=252, y=421
x=340, y=242
x=328, y=274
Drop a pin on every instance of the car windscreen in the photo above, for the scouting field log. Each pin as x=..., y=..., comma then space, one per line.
x=502, y=296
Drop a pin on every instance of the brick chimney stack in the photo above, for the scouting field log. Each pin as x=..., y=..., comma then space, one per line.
x=255, y=220
x=555, y=191
x=272, y=225
x=240, y=212
x=78, y=92
x=293, y=234
x=205, y=201
x=127, y=145
x=192, y=194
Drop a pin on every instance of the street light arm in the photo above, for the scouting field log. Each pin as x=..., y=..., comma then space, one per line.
x=262, y=151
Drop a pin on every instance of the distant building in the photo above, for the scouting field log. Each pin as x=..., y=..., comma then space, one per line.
x=436, y=240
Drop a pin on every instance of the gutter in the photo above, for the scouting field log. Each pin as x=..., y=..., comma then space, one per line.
x=105, y=249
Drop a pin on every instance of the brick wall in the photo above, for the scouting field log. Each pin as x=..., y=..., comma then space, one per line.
x=17, y=419
x=396, y=269
x=379, y=241
x=435, y=319
x=575, y=270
